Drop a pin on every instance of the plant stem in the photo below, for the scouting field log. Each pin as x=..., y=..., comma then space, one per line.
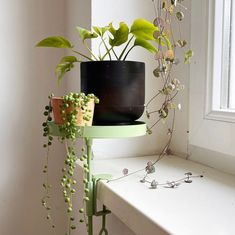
x=82, y=55
x=107, y=50
x=120, y=57
x=155, y=123
x=90, y=51
x=121, y=177
x=114, y=53
x=155, y=9
x=155, y=96
x=168, y=142
x=128, y=52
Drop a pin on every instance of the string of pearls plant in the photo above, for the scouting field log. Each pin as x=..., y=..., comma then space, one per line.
x=71, y=103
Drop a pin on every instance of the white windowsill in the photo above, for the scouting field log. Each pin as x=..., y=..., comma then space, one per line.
x=206, y=206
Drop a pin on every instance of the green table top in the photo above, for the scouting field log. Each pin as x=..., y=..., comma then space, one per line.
x=111, y=131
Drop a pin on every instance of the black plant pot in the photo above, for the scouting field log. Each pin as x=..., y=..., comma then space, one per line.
x=120, y=86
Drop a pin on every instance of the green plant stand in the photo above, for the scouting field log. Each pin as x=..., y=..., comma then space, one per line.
x=88, y=133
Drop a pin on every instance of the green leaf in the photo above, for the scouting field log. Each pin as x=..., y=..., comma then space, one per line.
x=168, y=42
x=69, y=59
x=55, y=41
x=120, y=35
x=145, y=44
x=161, y=41
x=164, y=41
x=143, y=29
x=187, y=56
x=100, y=30
x=65, y=65
x=86, y=34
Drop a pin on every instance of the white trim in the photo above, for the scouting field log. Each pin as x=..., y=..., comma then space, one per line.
x=210, y=127
x=223, y=115
x=217, y=64
x=226, y=54
x=223, y=162
x=210, y=55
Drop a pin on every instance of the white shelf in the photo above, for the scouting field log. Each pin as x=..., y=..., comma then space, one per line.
x=204, y=207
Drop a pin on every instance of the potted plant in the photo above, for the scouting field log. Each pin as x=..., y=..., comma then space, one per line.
x=131, y=79
x=119, y=84
x=70, y=112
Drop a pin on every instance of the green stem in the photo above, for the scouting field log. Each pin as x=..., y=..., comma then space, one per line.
x=107, y=50
x=114, y=53
x=120, y=57
x=82, y=55
x=90, y=51
x=155, y=96
x=128, y=52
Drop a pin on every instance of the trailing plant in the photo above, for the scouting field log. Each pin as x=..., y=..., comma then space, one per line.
x=166, y=12
x=46, y=198
x=140, y=33
x=70, y=105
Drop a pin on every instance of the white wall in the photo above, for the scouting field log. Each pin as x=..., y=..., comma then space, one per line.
x=182, y=72
x=27, y=77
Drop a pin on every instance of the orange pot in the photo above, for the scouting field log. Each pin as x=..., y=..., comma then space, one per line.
x=56, y=103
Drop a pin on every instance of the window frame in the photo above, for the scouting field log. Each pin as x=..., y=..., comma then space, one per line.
x=211, y=130
x=218, y=62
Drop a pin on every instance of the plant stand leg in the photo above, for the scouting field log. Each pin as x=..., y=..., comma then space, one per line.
x=91, y=193
x=90, y=225
x=89, y=187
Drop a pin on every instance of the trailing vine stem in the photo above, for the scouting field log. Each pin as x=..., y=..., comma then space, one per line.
x=46, y=185
x=161, y=155
x=165, y=57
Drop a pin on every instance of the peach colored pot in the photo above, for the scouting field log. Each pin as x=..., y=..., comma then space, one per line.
x=56, y=103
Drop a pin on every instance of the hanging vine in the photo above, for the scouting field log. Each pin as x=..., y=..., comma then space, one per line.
x=166, y=57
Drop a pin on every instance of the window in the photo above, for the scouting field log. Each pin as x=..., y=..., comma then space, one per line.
x=220, y=103
x=212, y=84
x=231, y=93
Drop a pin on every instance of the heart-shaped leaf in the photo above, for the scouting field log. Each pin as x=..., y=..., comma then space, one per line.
x=55, y=41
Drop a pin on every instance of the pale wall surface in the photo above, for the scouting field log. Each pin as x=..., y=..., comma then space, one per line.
x=27, y=77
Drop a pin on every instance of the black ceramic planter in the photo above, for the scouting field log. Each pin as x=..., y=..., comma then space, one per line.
x=120, y=86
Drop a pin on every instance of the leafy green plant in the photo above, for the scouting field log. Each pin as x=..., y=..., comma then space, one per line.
x=140, y=33
x=69, y=111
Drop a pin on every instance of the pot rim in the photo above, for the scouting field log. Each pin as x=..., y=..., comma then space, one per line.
x=113, y=61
